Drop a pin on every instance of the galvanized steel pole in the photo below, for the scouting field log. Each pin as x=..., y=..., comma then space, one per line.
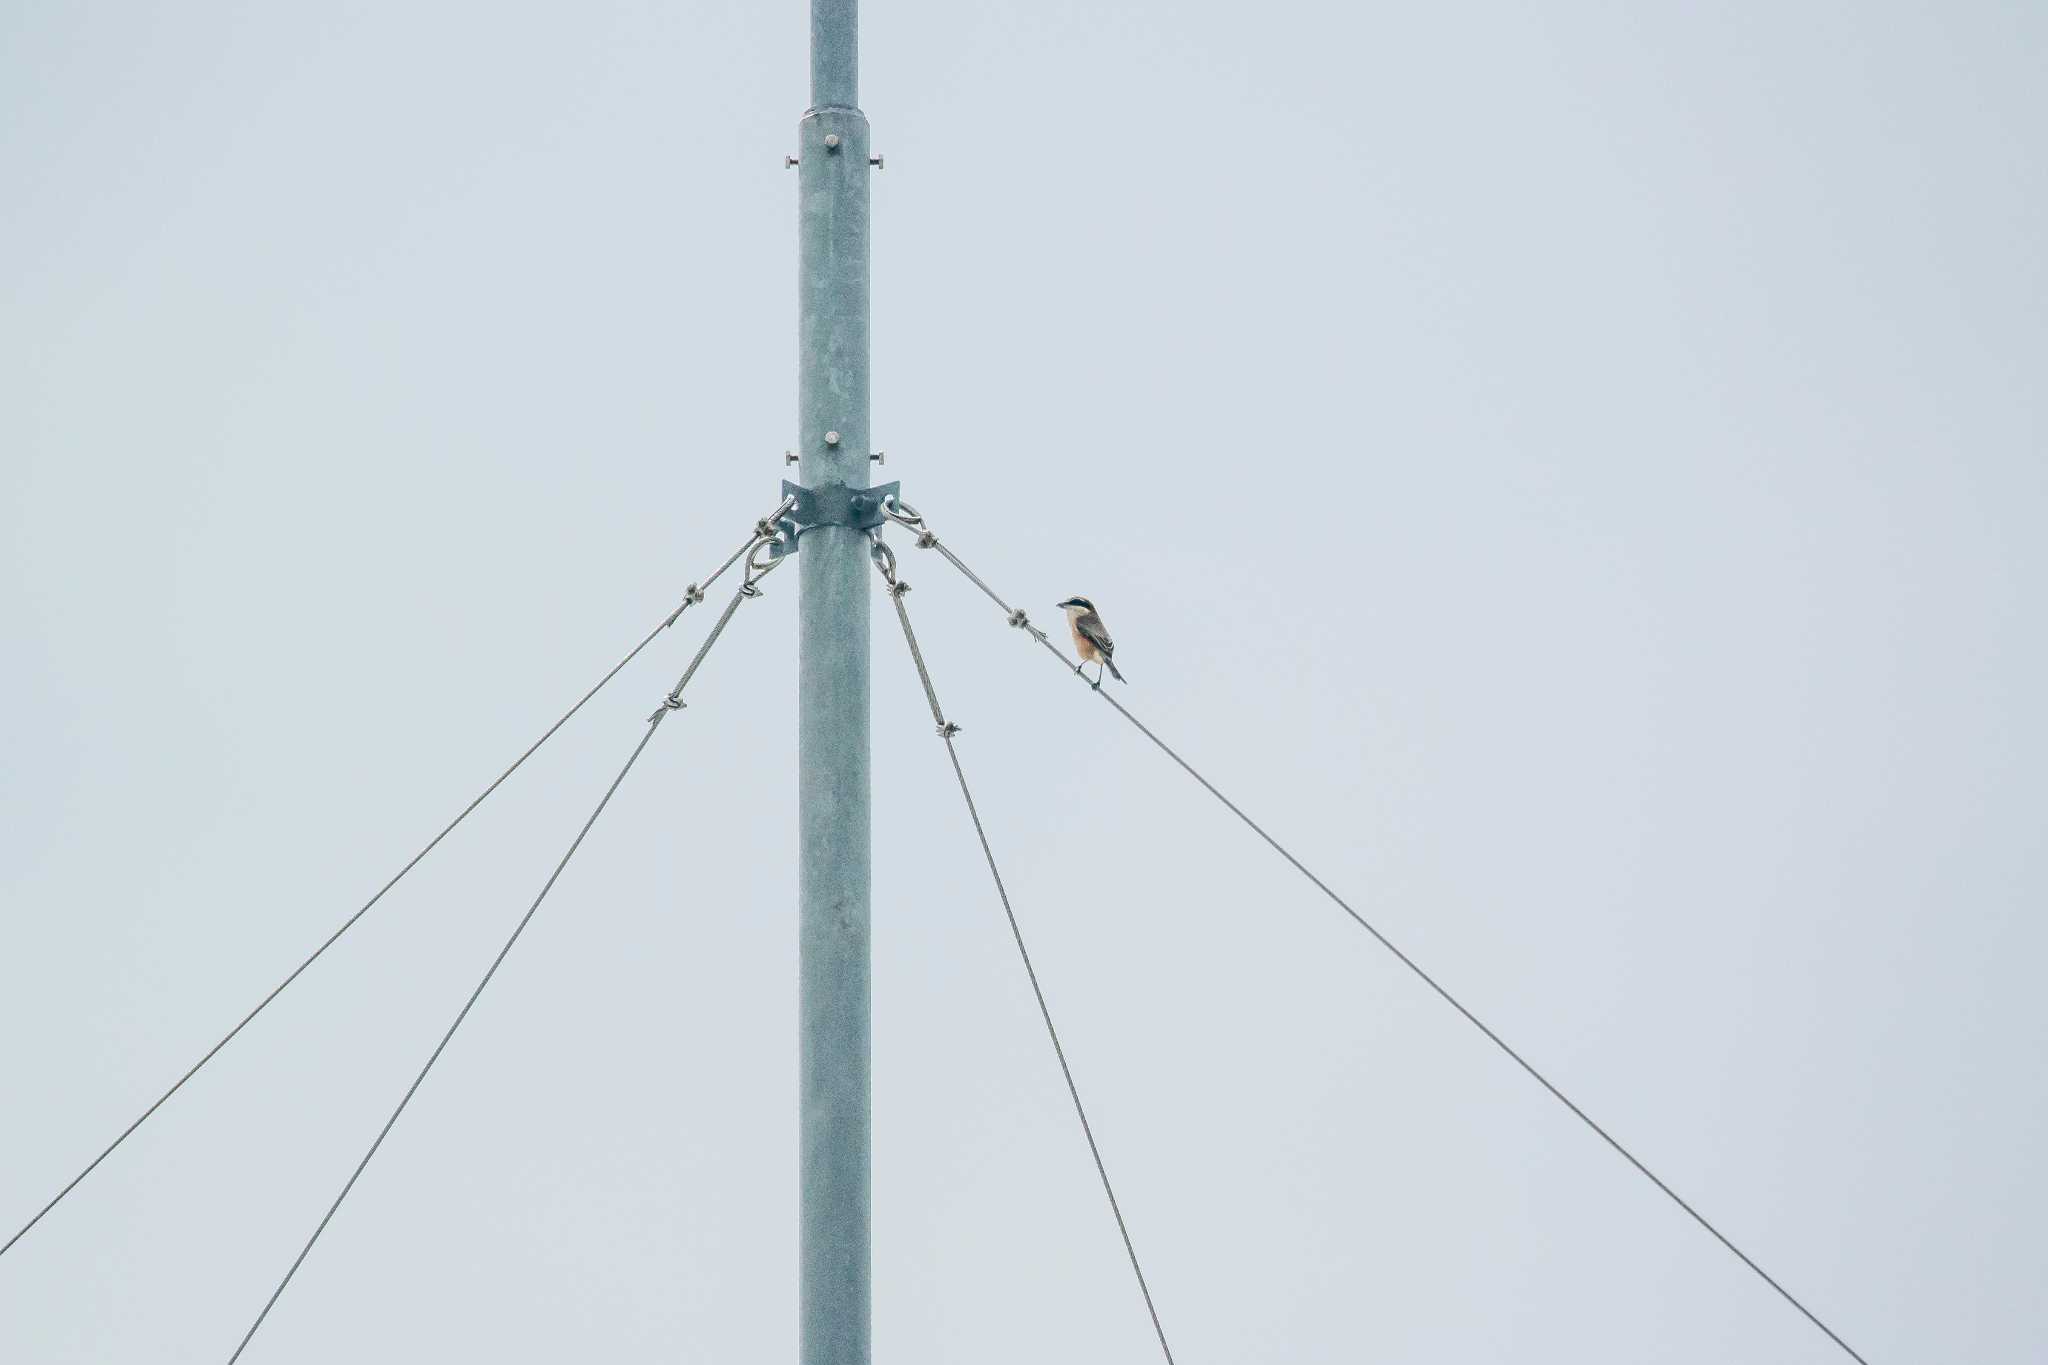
x=832, y=701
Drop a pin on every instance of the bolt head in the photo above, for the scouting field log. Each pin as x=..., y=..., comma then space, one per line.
x=832, y=141
x=831, y=438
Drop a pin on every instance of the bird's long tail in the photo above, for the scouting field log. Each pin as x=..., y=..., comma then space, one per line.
x=1112, y=668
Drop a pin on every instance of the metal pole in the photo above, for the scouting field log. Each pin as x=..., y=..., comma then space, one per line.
x=832, y=700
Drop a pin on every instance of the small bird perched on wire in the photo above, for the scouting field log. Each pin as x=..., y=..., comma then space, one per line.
x=1091, y=637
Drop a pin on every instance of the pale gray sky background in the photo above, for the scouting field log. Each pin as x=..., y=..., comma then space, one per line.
x=1574, y=471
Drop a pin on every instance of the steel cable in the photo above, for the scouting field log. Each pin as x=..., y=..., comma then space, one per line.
x=694, y=594
x=671, y=703
x=947, y=730
x=926, y=540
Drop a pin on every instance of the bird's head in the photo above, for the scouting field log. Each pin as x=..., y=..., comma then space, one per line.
x=1077, y=604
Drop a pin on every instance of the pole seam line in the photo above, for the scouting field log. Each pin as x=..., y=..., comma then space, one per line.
x=946, y=732
x=1414, y=967
x=653, y=724
x=690, y=598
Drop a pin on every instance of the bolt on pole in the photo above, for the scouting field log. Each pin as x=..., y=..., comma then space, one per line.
x=832, y=700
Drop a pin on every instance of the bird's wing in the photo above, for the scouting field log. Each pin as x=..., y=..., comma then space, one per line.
x=1090, y=625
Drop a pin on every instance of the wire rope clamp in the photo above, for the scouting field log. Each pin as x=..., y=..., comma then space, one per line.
x=832, y=505
x=947, y=729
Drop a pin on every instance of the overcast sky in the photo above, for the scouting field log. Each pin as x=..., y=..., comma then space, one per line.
x=1575, y=472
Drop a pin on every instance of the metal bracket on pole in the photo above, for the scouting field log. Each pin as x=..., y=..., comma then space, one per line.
x=833, y=505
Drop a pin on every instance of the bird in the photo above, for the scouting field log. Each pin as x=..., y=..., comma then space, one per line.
x=1091, y=637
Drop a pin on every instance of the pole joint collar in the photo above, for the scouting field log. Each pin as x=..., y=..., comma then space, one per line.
x=835, y=504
